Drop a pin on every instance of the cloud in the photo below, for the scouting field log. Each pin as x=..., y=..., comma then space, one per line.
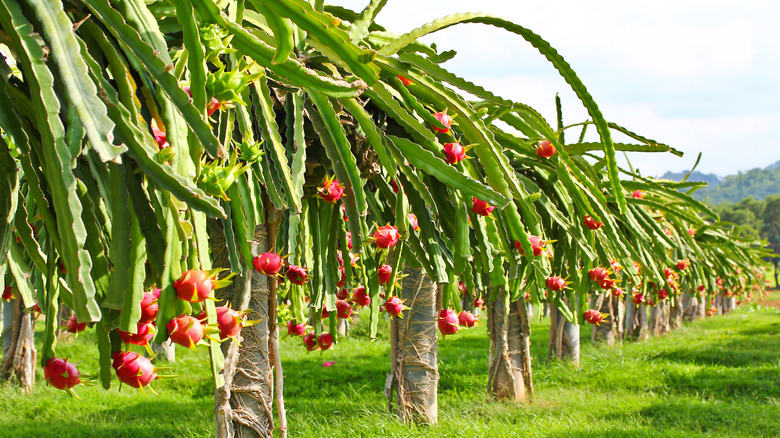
x=698, y=75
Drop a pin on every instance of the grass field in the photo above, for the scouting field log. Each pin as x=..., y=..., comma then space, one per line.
x=719, y=377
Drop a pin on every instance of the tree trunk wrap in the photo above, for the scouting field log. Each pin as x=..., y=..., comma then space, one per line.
x=636, y=321
x=607, y=330
x=523, y=313
x=167, y=349
x=415, y=350
x=564, y=338
x=676, y=313
x=659, y=318
x=244, y=405
x=618, y=308
x=507, y=361
x=8, y=323
x=20, y=357
x=729, y=303
x=690, y=304
x=701, y=310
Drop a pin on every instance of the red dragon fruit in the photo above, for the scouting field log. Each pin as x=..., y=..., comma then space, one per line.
x=394, y=306
x=591, y=223
x=133, y=369
x=594, y=316
x=230, y=322
x=360, y=296
x=144, y=333
x=545, y=149
x=445, y=120
x=447, y=322
x=404, y=80
x=384, y=273
x=61, y=374
x=386, y=236
x=467, y=319
x=454, y=153
x=268, y=263
x=294, y=329
x=343, y=309
x=413, y=222
x=149, y=306
x=598, y=273
x=8, y=294
x=310, y=341
x=537, y=245
x=194, y=286
x=481, y=208
x=297, y=274
x=556, y=283
x=74, y=326
x=325, y=341
x=185, y=331
x=331, y=191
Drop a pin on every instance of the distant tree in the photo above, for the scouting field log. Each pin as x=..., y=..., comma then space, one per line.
x=756, y=183
x=771, y=227
x=747, y=213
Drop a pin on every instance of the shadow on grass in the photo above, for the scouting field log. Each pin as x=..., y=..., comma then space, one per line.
x=748, y=348
x=148, y=418
x=759, y=385
x=713, y=418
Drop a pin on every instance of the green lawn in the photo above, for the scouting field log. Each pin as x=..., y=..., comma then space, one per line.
x=719, y=377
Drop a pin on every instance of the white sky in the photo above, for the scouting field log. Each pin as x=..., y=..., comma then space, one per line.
x=701, y=76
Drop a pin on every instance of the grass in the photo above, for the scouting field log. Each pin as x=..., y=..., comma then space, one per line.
x=719, y=377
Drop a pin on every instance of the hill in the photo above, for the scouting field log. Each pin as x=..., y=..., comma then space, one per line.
x=709, y=178
x=757, y=183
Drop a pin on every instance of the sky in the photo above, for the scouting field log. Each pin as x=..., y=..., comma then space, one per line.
x=700, y=76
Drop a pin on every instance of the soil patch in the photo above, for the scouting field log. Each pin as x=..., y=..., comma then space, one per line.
x=770, y=303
